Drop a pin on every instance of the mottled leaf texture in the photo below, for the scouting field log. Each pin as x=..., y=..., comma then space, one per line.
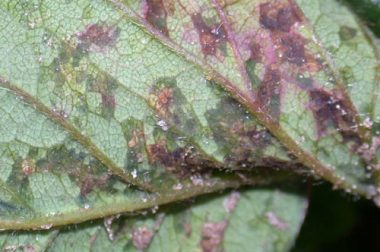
x=219, y=223
x=112, y=106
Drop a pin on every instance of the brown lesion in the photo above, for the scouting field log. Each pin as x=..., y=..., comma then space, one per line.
x=330, y=109
x=143, y=235
x=86, y=175
x=293, y=49
x=278, y=43
x=255, y=51
x=137, y=138
x=108, y=101
x=98, y=35
x=269, y=92
x=89, y=182
x=165, y=98
x=181, y=161
x=211, y=37
x=105, y=87
x=279, y=15
x=162, y=100
x=156, y=14
x=213, y=235
x=278, y=18
x=172, y=107
x=137, y=150
x=87, y=179
x=28, y=166
x=241, y=140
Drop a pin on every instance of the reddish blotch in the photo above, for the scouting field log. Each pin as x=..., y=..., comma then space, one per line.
x=156, y=14
x=212, y=235
x=98, y=34
x=210, y=36
x=278, y=15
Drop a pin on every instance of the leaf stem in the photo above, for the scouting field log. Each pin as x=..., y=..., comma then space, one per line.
x=152, y=200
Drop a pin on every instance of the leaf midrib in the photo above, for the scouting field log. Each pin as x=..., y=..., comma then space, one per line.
x=96, y=212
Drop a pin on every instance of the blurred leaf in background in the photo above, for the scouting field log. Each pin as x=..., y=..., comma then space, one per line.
x=368, y=11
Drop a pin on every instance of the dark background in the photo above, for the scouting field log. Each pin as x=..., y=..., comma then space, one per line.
x=336, y=221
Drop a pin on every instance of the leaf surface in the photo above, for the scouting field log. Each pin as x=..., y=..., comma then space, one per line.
x=309, y=75
x=210, y=224
x=112, y=106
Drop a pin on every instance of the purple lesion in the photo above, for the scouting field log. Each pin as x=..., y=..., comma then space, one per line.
x=285, y=57
x=255, y=51
x=155, y=13
x=211, y=37
x=108, y=101
x=99, y=35
x=278, y=16
x=181, y=161
x=268, y=94
x=104, y=86
x=332, y=111
x=293, y=49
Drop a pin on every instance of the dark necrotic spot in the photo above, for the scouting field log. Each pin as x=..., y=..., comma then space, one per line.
x=171, y=105
x=158, y=153
x=156, y=15
x=108, y=101
x=108, y=106
x=182, y=161
x=293, y=49
x=241, y=140
x=329, y=110
x=255, y=51
x=277, y=16
x=91, y=182
x=269, y=92
x=99, y=35
x=210, y=37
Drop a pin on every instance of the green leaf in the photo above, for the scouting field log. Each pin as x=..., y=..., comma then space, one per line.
x=210, y=224
x=368, y=11
x=111, y=106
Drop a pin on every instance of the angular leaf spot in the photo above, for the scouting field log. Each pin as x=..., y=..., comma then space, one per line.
x=155, y=13
x=210, y=37
x=98, y=35
x=278, y=16
x=141, y=237
x=212, y=235
x=328, y=108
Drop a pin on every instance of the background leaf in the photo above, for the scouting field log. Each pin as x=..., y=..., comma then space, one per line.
x=209, y=224
x=368, y=11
